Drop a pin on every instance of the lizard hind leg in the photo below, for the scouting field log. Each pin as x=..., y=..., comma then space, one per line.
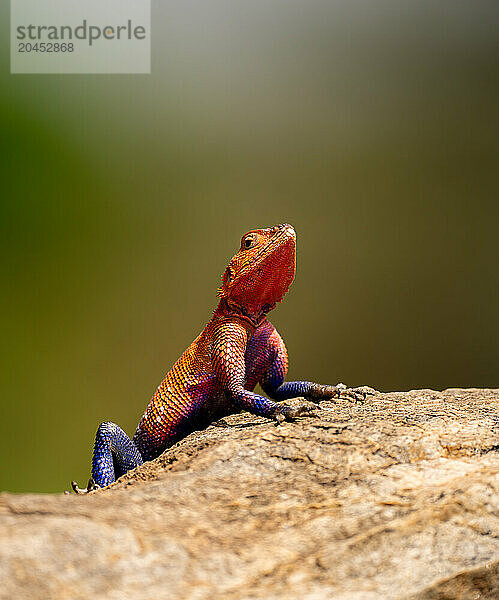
x=114, y=454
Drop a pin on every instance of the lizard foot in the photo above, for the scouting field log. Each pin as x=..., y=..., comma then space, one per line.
x=91, y=486
x=358, y=394
x=288, y=413
x=341, y=391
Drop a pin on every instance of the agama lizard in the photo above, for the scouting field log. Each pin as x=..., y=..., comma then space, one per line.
x=216, y=375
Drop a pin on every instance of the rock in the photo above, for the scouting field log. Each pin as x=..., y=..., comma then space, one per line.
x=394, y=498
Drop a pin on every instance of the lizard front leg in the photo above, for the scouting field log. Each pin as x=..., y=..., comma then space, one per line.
x=227, y=354
x=274, y=385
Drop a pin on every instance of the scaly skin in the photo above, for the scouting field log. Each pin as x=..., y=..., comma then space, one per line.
x=216, y=375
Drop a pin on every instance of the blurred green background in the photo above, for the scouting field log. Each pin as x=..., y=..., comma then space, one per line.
x=372, y=127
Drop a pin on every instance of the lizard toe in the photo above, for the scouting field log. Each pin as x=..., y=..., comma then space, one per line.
x=288, y=413
x=358, y=394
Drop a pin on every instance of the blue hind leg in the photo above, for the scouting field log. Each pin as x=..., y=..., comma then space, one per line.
x=114, y=454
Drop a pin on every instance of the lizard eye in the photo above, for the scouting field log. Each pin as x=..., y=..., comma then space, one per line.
x=248, y=242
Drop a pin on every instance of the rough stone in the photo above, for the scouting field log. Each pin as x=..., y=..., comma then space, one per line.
x=395, y=498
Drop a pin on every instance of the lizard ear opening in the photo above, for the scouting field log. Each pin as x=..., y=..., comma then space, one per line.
x=226, y=279
x=228, y=275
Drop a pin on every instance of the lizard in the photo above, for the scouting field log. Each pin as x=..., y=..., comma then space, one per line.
x=216, y=375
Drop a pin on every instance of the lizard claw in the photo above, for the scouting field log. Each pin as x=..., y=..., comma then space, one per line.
x=91, y=486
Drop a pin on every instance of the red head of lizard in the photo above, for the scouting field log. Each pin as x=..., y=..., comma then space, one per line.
x=259, y=275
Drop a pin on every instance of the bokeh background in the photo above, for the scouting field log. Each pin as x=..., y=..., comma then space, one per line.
x=372, y=127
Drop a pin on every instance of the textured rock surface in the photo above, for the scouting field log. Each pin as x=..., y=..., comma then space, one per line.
x=394, y=498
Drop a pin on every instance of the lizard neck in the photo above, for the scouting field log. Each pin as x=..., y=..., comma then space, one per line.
x=253, y=315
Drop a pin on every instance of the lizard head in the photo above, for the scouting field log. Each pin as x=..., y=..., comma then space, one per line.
x=259, y=275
